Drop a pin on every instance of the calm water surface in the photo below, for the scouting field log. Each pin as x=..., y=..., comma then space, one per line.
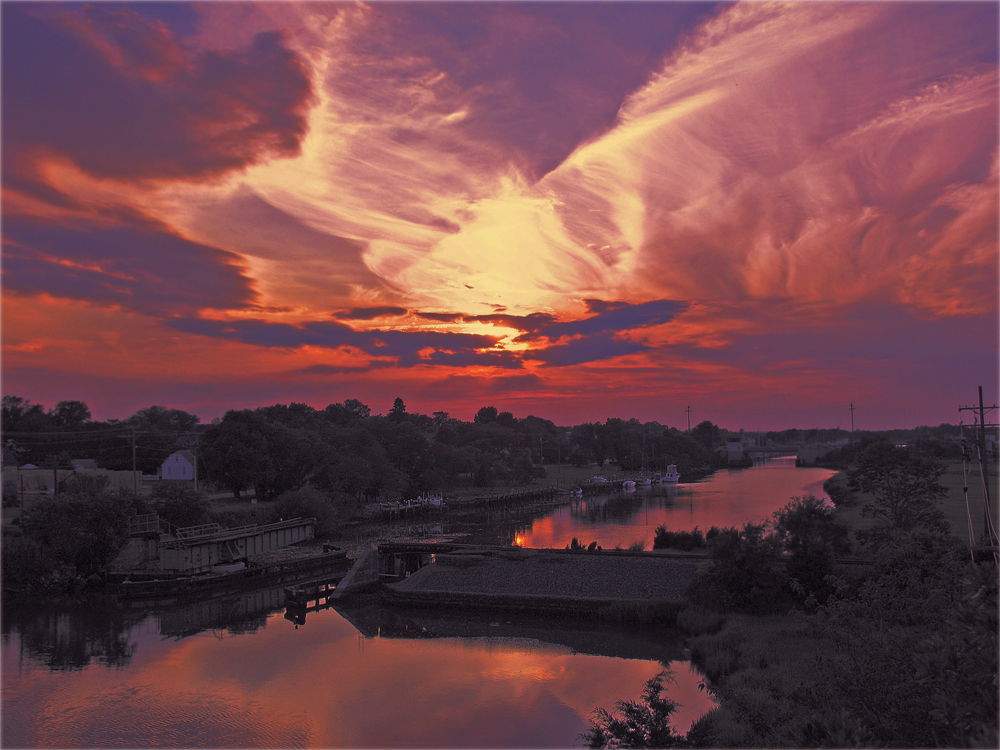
x=360, y=678
x=729, y=497
x=237, y=673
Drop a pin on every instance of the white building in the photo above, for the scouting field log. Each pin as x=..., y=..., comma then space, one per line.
x=179, y=465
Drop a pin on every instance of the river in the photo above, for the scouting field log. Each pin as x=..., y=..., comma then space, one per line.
x=238, y=673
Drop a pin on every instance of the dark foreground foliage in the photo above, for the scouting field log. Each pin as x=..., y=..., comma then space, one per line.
x=643, y=723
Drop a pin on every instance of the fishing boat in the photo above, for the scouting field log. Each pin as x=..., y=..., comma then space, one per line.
x=671, y=476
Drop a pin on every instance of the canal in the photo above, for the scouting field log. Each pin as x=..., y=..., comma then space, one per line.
x=237, y=673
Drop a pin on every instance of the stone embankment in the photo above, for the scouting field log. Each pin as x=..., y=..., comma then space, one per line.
x=551, y=581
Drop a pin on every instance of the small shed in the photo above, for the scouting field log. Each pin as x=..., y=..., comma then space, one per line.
x=179, y=465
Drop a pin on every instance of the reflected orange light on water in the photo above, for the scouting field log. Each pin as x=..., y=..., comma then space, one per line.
x=726, y=498
x=325, y=685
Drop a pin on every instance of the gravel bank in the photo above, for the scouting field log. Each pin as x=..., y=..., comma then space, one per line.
x=590, y=575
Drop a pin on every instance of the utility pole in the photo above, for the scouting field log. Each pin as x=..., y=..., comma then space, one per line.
x=983, y=468
x=852, y=422
x=688, y=410
x=135, y=482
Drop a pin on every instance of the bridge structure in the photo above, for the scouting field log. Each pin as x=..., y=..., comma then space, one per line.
x=772, y=451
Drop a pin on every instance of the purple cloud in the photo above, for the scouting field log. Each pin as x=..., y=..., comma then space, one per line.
x=117, y=94
x=137, y=267
x=410, y=347
x=587, y=349
x=370, y=313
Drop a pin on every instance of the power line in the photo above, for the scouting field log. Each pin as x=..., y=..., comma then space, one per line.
x=988, y=531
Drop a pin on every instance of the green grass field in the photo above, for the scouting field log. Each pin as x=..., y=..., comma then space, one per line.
x=952, y=505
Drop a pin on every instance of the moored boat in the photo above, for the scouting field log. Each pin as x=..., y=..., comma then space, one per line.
x=671, y=476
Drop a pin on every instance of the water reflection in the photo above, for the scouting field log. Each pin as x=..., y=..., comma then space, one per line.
x=729, y=497
x=70, y=640
x=218, y=674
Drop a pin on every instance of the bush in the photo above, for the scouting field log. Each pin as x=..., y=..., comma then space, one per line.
x=308, y=502
x=744, y=576
x=698, y=621
x=26, y=563
x=85, y=530
x=636, y=724
x=807, y=529
x=685, y=541
x=179, y=504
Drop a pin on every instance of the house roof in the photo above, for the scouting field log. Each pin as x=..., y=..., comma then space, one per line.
x=185, y=454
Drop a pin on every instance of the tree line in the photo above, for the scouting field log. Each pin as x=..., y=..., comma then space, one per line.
x=346, y=451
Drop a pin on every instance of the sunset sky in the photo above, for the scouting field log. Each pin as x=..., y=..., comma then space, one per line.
x=762, y=211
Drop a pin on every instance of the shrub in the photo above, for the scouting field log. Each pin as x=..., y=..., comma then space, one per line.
x=308, y=502
x=686, y=541
x=644, y=723
x=808, y=530
x=26, y=563
x=744, y=576
x=179, y=504
x=698, y=621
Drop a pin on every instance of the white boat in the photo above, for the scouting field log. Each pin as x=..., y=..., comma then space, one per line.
x=644, y=481
x=598, y=479
x=671, y=476
x=628, y=485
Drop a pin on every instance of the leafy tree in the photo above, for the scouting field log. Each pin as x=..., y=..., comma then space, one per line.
x=179, y=504
x=162, y=419
x=644, y=723
x=903, y=487
x=744, y=576
x=84, y=527
x=707, y=434
x=351, y=410
x=234, y=452
x=485, y=415
x=309, y=502
x=70, y=414
x=808, y=530
x=20, y=415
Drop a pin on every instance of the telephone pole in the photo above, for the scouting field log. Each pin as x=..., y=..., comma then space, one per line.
x=983, y=467
x=852, y=422
x=135, y=482
x=688, y=410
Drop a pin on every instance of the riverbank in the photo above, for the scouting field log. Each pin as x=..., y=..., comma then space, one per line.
x=882, y=666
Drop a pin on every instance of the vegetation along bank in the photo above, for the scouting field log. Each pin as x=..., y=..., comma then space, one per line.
x=900, y=651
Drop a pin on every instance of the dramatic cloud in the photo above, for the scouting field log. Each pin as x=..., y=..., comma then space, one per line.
x=136, y=268
x=116, y=94
x=370, y=313
x=596, y=209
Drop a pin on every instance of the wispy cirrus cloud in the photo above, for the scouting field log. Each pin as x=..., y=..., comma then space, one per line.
x=635, y=199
